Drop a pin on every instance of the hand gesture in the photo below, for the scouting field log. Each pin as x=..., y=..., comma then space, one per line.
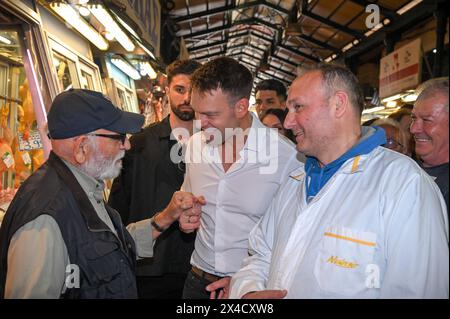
x=190, y=218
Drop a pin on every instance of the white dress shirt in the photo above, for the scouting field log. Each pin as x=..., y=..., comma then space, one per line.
x=236, y=199
x=377, y=229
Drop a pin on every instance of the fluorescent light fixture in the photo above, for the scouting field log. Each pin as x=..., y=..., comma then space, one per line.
x=327, y=60
x=391, y=104
x=73, y=18
x=147, y=69
x=434, y=50
x=126, y=68
x=408, y=7
x=391, y=98
x=83, y=1
x=5, y=40
x=84, y=11
x=111, y=26
x=409, y=97
x=347, y=47
x=373, y=109
x=126, y=26
x=109, y=36
x=143, y=47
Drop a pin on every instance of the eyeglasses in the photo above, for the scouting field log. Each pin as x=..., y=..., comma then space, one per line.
x=117, y=137
x=390, y=142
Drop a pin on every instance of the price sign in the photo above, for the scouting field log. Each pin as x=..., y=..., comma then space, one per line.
x=33, y=143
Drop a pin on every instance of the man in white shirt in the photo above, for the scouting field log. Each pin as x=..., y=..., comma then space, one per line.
x=358, y=221
x=237, y=164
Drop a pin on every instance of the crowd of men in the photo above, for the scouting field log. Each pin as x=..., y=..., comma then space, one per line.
x=296, y=201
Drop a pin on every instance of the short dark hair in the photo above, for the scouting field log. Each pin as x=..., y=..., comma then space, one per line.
x=279, y=113
x=226, y=74
x=337, y=77
x=273, y=85
x=186, y=67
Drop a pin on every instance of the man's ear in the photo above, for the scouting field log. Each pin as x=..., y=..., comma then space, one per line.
x=241, y=108
x=81, y=149
x=340, y=102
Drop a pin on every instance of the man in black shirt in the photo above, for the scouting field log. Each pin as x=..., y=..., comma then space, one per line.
x=152, y=172
x=430, y=130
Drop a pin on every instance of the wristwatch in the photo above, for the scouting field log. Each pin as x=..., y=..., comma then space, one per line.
x=155, y=225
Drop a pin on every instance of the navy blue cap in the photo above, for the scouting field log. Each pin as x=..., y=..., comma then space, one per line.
x=76, y=112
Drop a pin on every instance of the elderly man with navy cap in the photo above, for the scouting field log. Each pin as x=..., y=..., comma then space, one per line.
x=59, y=239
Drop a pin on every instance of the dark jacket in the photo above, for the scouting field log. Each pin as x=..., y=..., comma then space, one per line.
x=106, y=261
x=145, y=186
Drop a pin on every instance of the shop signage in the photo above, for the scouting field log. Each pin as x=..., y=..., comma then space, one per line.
x=32, y=143
x=401, y=69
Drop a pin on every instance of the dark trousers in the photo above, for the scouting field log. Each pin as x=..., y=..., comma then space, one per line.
x=168, y=286
x=194, y=287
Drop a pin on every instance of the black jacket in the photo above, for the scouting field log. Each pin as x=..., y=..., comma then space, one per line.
x=145, y=186
x=106, y=262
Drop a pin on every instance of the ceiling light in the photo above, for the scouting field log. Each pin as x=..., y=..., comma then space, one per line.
x=391, y=98
x=5, y=40
x=73, y=18
x=409, y=97
x=391, y=104
x=147, y=69
x=84, y=11
x=408, y=7
x=111, y=26
x=126, y=68
x=109, y=36
x=373, y=109
x=143, y=47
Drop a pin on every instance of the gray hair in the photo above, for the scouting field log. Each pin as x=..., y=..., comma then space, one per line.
x=433, y=87
x=337, y=77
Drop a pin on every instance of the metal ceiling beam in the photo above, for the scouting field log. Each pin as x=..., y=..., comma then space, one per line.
x=202, y=14
x=284, y=60
x=307, y=56
x=210, y=55
x=247, y=62
x=207, y=31
x=231, y=7
x=276, y=77
x=221, y=42
x=391, y=15
x=229, y=25
x=207, y=46
x=419, y=13
x=319, y=43
x=340, y=27
x=282, y=71
x=260, y=36
x=271, y=67
x=258, y=21
x=242, y=45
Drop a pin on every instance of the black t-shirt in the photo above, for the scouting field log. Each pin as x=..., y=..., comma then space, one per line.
x=440, y=176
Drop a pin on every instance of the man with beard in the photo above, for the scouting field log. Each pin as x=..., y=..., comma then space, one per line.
x=151, y=173
x=59, y=239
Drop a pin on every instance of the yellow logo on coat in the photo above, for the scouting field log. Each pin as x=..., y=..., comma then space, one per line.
x=341, y=262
